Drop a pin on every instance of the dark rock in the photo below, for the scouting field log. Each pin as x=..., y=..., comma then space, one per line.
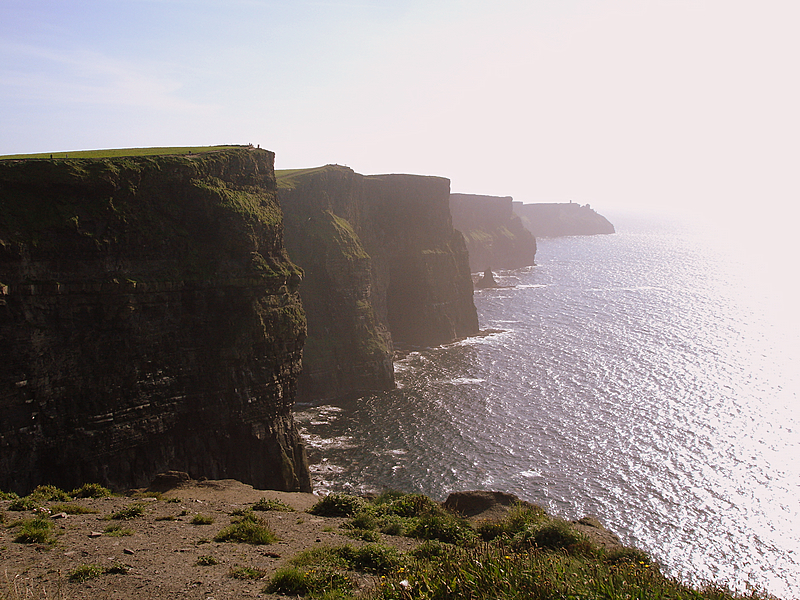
x=164, y=482
x=149, y=321
x=383, y=267
x=487, y=280
x=473, y=503
x=494, y=234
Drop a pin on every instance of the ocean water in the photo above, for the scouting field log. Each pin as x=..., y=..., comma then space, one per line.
x=648, y=377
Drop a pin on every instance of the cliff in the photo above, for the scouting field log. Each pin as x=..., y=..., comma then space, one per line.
x=383, y=267
x=150, y=320
x=556, y=219
x=495, y=236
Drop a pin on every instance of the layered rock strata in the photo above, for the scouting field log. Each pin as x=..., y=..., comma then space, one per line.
x=495, y=236
x=558, y=219
x=383, y=268
x=150, y=320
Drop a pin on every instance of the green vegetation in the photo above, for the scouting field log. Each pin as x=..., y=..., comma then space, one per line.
x=239, y=572
x=122, y=152
x=289, y=178
x=37, y=530
x=117, y=530
x=90, y=490
x=206, y=560
x=337, y=505
x=128, y=513
x=247, y=529
x=270, y=504
x=202, y=520
x=84, y=573
x=71, y=508
x=528, y=554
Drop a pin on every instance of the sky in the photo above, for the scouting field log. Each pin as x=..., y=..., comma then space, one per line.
x=650, y=105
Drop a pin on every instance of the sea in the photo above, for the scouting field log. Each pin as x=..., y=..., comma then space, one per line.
x=649, y=378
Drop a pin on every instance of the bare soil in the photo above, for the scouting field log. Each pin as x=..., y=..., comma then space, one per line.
x=162, y=555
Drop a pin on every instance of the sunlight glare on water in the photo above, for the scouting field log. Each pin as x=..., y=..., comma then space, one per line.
x=647, y=377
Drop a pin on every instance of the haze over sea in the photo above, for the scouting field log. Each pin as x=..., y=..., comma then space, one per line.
x=647, y=377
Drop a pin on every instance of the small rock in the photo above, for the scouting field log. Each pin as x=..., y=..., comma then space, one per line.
x=127, y=551
x=95, y=534
x=61, y=515
x=69, y=553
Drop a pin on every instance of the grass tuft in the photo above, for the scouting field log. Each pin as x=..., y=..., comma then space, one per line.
x=239, y=572
x=270, y=504
x=128, y=513
x=337, y=505
x=84, y=573
x=202, y=520
x=247, y=531
x=37, y=530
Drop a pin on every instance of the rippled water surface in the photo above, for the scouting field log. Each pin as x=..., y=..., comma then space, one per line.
x=647, y=377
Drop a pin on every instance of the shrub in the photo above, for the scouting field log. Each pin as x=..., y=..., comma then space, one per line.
x=443, y=527
x=373, y=558
x=46, y=493
x=35, y=531
x=84, y=573
x=337, y=505
x=367, y=535
x=8, y=495
x=363, y=520
x=278, y=505
x=627, y=555
x=90, y=490
x=26, y=503
x=293, y=581
x=202, y=520
x=412, y=505
x=246, y=532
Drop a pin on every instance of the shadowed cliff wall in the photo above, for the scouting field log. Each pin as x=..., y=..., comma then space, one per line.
x=150, y=321
x=495, y=236
x=556, y=219
x=383, y=266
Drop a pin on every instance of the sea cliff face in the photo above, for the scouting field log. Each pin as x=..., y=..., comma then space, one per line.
x=495, y=236
x=150, y=320
x=557, y=219
x=383, y=267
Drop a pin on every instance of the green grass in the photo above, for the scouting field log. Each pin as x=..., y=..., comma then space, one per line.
x=84, y=573
x=247, y=530
x=71, y=508
x=122, y=152
x=239, y=572
x=128, y=513
x=289, y=178
x=270, y=504
x=90, y=490
x=38, y=530
x=206, y=560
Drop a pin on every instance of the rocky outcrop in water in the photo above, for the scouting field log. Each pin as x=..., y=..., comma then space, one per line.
x=150, y=321
x=495, y=236
x=557, y=219
x=383, y=267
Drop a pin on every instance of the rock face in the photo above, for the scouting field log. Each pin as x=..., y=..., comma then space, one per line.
x=383, y=267
x=495, y=236
x=150, y=320
x=556, y=219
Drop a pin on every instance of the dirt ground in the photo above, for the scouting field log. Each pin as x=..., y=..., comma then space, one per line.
x=162, y=555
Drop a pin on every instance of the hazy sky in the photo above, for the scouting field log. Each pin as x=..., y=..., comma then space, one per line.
x=620, y=103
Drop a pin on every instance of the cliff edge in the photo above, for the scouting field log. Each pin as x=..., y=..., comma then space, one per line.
x=495, y=236
x=383, y=267
x=557, y=219
x=150, y=321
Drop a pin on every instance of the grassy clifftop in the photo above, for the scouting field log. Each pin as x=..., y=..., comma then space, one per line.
x=120, y=152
